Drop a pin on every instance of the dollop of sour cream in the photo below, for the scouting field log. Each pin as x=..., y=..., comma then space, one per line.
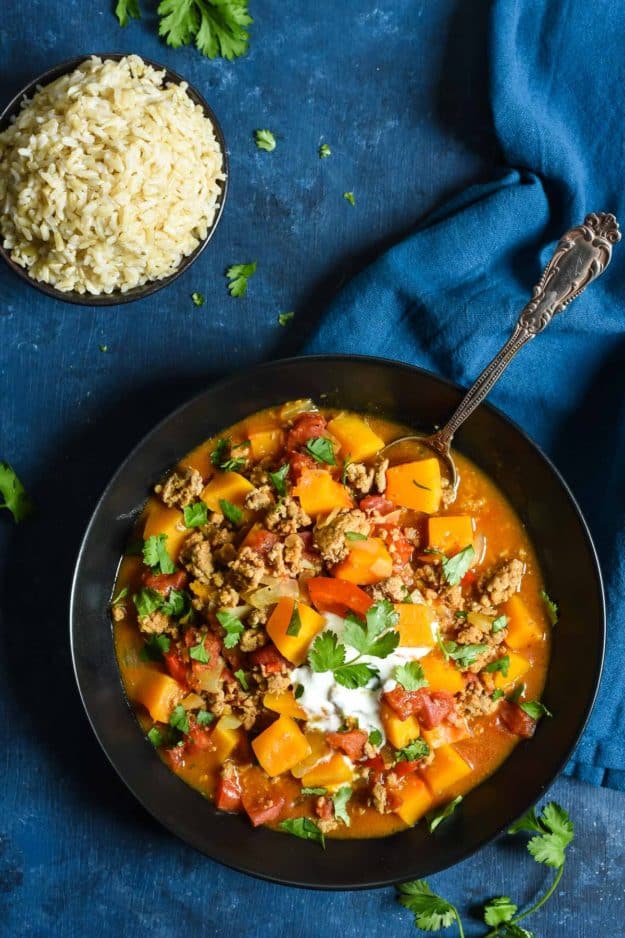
x=328, y=703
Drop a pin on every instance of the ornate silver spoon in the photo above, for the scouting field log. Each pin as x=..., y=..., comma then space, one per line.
x=582, y=254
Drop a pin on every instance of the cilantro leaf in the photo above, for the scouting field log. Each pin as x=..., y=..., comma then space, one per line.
x=304, y=828
x=321, y=449
x=195, y=515
x=556, y=834
x=535, y=709
x=176, y=603
x=233, y=626
x=340, y=800
x=120, y=596
x=295, y=623
x=205, y=717
x=125, y=9
x=298, y=692
x=324, y=151
x=346, y=462
x=155, y=554
x=375, y=738
x=499, y=910
x=499, y=624
x=410, y=675
x=349, y=197
x=497, y=694
x=14, y=495
x=527, y=822
x=355, y=536
x=197, y=299
x=222, y=457
x=154, y=735
x=454, y=568
x=431, y=912
x=516, y=693
x=285, y=318
x=371, y=637
x=147, y=601
x=355, y=675
x=381, y=616
x=499, y=664
x=238, y=275
x=241, y=677
x=436, y=817
x=551, y=606
x=420, y=485
x=218, y=26
x=417, y=749
x=231, y=512
x=278, y=479
x=326, y=653
x=463, y=655
x=154, y=648
x=265, y=140
x=199, y=653
x=306, y=792
x=179, y=719
x=512, y=930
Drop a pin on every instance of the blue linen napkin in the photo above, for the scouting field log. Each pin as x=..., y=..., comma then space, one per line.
x=447, y=297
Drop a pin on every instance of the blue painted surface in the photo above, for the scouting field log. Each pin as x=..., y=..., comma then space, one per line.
x=397, y=90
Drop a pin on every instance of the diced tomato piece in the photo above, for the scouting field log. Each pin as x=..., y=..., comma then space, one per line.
x=176, y=666
x=339, y=596
x=516, y=720
x=352, y=743
x=305, y=428
x=164, y=582
x=406, y=768
x=262, y=809
x=469, y=578
x=261, y=541
x=376, y=764
x=269, y=660
x=299, y=463
x=403, y=702
x=400, y=548
x=378, y=503
x=324, y=809
x=228, y=794
x=176, y=756
x=200, y=739
x=430, y=707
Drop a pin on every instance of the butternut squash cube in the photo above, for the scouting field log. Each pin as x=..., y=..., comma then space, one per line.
x=160, y=519
x=357, y=439
x=159, y=693
x=281, y=746
x=293, y=647
x=319, y=493
x=415, y=800
x=225, y=738
x=516, y=669
x=284, y=703
x=442, y=674
x=447, y=769
x=450, y=533
x=319, y=750
x=332, y=773
x=368, y=561
x=265, y=443
x=231, y=486
x=415, y=625
x=523, y=629
x=398, y=732
x=415, y=485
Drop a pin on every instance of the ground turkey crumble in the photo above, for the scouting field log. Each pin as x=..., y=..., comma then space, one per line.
x=500, y=584
x=181, y=488
x=329, y=535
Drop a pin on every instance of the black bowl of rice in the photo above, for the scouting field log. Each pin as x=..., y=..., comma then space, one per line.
x=113, y=178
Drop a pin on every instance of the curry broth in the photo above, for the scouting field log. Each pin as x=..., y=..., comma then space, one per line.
x=490, y=744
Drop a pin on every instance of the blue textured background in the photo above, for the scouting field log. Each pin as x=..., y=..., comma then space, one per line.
x=397, y=89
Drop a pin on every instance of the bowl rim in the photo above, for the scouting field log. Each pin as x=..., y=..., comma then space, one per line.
x=381, y=881
x=152, y=286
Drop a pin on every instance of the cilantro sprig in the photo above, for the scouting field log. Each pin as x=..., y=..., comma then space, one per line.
x=156, y=555
x=375, y=637
x=13, y=493
x=222, y=457
x=456, y=567
x=431, y=912
x=238, y=276
x=233, y=627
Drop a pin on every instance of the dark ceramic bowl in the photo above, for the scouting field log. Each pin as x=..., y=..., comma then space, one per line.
x=554, y=523
x=152, y=286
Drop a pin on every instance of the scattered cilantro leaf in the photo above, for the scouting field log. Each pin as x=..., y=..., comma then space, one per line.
x=454, y=568
x=324, y=151
x=499, y=624
x=204, y=717
x=306, y=792
x=233, y=626
x=499, y=664
x=241, y=677
x=340, y=800
x=278, y=479
x=265, y=140
x=120, y=596
x=285, y=318
x=499, y=910
x=176, y=603
x=14, y=495
x=321, y=449
x=431, y=912
x=231, y=512
x=349, y=197
x=535, y=709
x=179, y=719
x=155, y=647
x=303, y=828
x=463, y=655
x=527, y=822
x=127, y=9
x=199, y=653
x=375, y=738
x=197, y=299
x=420, y=485
x=461, y=614
x=295, y=623
x=497, y=694
x=410, y=675
x=326, y=653
x=516, y=693
x=154, y=735
x=222, y=457
x=355, y=536
x=147, y=601
x=551, y=606
x=346, y=462
x=298, y=692
x=155, y=554
x=417, y=749
x=238, y=275
x=375, y=636
x=103, y=348
x=352, y=676
x=436, y=817
x=195, y=515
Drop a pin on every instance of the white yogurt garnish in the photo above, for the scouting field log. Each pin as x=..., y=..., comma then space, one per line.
x=328, y=704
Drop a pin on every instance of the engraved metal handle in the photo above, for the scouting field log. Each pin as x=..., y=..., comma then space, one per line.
x=582, y=254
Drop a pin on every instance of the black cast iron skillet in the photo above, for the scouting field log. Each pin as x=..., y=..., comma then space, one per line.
x=555, y=524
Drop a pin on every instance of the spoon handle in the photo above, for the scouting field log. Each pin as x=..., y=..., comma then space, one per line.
x=582, y=254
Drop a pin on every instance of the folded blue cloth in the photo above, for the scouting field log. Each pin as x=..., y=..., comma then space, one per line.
x=446, y=298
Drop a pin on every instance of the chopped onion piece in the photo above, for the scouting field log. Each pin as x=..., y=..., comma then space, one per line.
x=269, y=595
x=228, y=722
x=192, y=702
x=210, y=680
x=294, y=409
x=479, y=545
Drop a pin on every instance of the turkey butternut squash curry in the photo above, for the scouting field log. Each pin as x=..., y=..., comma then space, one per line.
x=312, y=638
